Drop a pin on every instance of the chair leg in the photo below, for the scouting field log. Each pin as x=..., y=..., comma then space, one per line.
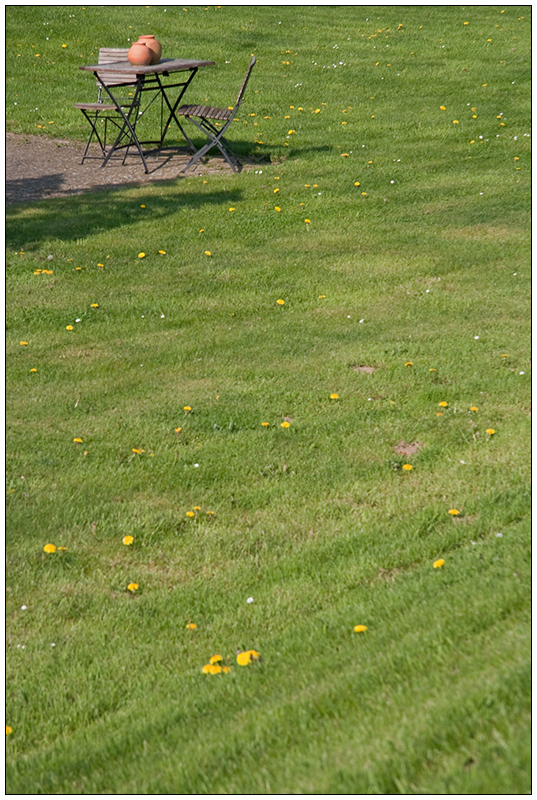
x=93, y=124
x=215, y=138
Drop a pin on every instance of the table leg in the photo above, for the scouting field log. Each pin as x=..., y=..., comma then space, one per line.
x=127, y=125
x=172, y=110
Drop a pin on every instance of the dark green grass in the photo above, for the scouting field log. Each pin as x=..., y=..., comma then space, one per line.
x=317, y=522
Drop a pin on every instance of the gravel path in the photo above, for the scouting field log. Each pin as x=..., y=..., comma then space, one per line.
x=38, y=168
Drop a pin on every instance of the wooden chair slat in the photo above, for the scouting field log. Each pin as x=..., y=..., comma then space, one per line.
x=108, y=55
x=95, y=106
x=207, y=112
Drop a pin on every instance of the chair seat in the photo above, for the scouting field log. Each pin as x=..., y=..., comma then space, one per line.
x=206, y=112
x=95, y=106
x=124, y=103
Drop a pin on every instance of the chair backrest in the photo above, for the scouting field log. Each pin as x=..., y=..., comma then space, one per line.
x=245, y=81
x=107, y=55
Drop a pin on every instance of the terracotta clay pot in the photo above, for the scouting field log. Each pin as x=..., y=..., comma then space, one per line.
x=140, y=55
x=155, y=46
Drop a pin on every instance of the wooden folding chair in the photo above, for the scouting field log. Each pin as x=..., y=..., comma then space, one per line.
x=205, y=117
x=106, y=111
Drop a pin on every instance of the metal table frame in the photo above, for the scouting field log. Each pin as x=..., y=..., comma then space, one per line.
x=145, y=79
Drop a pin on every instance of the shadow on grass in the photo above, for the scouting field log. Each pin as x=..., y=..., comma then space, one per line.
x=72, y=218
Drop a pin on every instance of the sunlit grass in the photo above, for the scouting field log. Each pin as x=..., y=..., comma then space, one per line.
x=276, y=431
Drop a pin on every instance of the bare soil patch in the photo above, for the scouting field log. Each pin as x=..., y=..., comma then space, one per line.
x=406, y=449
x=38, y=168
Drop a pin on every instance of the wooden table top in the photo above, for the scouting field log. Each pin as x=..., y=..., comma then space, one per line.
x=164, y=65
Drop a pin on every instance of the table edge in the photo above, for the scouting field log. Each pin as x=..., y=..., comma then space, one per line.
x=166, y=65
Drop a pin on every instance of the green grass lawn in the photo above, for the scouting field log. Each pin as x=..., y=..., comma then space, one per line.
x=297, y=388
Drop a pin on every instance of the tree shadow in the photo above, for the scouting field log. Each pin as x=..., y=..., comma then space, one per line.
x=69, y=218
x=32, y=188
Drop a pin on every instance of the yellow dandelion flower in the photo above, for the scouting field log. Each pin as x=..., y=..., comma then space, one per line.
x=439, y=563
x=215, y=659
x=49, y=548
x=334, y=396
x=344, y=155
x=142, y=206
x=357, y=183
x=207, y=669
x=132, y=587
x=69, y=328
x=455, y=121
x=197, y=508
x=439, y=413
x=490, y=431
x=141, y=255
x=162, y=252
x=408, y=467
x=95, y=305
x=360, y=628
x=277, y=208
x=265, y=424
x=280, y=302
x=232, y=209
x=77, y=440
x=243, y=659
x=63, y=549
x=408, y=363
x=442, y=108
x=33, y=369
x=454, y=512
x=128, y=539
x=190, y=514
x=442, y=403
x=187, y=408
x=138, y=452
x=307, y=221
x=226, y=669
x=285, y=425
x=322, y=297
x=215, y=669
x=432, y=369
x=207, y=252
x=23, y=344
x=8, y=730
x=191, y=626
x=474, y=408
x=254, y=655
x=178, y=430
